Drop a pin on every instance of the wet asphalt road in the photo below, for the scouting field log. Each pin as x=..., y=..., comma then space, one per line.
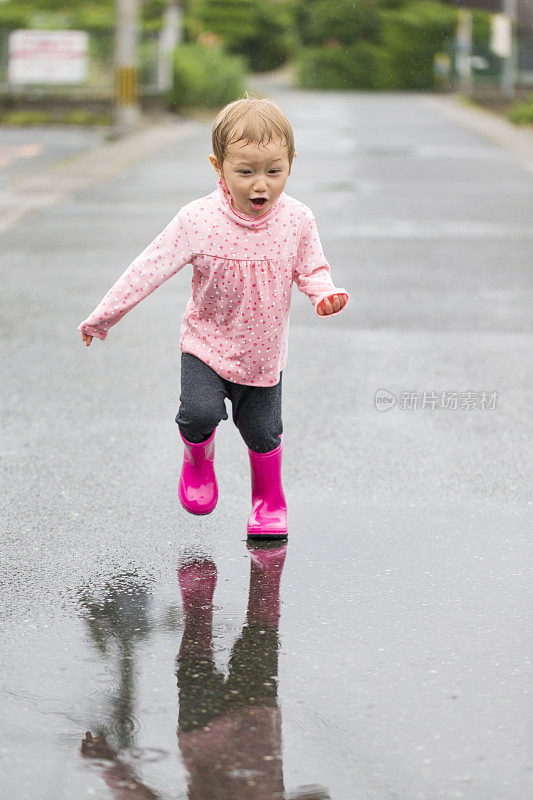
x=398, y=664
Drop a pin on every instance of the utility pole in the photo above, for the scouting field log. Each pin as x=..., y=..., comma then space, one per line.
x=463, y=56
x=127, y=112
x=511, y=57
x=170, y=36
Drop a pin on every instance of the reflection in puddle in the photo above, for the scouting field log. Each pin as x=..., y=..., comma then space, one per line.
x=117, y=620
x=229, y=728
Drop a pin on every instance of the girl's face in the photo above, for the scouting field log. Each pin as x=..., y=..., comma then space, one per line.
x=255, y=175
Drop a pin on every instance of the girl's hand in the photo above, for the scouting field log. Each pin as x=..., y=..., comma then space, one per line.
x=86, y=338
x=96, y=746
x=331, y=304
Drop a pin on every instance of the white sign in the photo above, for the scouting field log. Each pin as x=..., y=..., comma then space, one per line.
x=47, y=57
x=501, y=32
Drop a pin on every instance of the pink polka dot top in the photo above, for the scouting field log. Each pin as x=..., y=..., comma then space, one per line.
x=243, y=268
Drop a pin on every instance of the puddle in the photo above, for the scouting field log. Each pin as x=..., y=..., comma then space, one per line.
x=166, y=699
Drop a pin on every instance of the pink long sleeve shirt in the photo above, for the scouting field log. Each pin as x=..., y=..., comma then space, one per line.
x=237, y=320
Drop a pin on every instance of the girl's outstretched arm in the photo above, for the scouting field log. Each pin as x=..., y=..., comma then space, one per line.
x=160, y=260
x=312, y=274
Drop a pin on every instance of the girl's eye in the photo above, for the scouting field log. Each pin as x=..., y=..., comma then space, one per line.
x=247, y=171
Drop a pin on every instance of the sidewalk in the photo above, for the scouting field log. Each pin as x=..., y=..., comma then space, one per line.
x=489, y=125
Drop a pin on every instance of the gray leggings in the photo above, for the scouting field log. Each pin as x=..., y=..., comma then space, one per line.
x=256, y=409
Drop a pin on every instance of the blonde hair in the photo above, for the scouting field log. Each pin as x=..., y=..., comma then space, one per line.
x=250, y=119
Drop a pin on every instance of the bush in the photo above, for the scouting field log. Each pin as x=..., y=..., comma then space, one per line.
x=92, y=19
x=391, y=3
x=323, y=68
x=87, y=16
x=386, y=75
x=274, y=40
x=56, y=117
x=261, y=31
x=205, y=77
x=31, y=117
x=412, y=36
x=353, y=67
x=390, y=45
x=152, y=12
x=522, y=113
x=14, y=17
x=232, y=20
x=347, y=22
x=481, y=25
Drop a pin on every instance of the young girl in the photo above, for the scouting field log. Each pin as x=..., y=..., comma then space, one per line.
x=247, y=242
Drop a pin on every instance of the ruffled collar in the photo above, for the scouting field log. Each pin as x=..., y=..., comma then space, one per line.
x=244, y=219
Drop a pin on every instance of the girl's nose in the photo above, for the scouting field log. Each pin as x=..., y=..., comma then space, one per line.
x=259, y=185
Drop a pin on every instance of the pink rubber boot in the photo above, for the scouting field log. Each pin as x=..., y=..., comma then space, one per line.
x=197, y=581
x=198, y=489
x=269, y=509
x=266, y=566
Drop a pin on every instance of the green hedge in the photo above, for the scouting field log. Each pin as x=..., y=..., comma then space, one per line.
x=205, y=77
x=400, y=57
x=232, y=20
x=353, y=67
x=391, y=3
x=481, y=24
x=346, y=21
x=68, y=15
x=13, y=17
x=522, y=113
x=274, y=40
x=261, y=31
x=411, y=37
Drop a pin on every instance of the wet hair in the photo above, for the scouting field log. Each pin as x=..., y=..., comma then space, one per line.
x=252, y=120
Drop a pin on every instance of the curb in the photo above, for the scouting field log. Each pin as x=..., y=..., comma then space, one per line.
x=518, y=141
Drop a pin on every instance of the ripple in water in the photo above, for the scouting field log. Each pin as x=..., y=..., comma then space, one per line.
x=148, y=754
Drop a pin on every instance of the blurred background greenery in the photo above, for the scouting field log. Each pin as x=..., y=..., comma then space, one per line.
x=325, y=44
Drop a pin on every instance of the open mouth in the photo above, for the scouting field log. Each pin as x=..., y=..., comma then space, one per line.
x=257, y=202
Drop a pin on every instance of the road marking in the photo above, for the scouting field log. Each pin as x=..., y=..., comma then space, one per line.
x=9, y=153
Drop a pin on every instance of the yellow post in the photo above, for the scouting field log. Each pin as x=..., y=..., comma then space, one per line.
x=127, y=112
x=127, y=86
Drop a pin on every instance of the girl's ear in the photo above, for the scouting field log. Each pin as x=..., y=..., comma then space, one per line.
x=216, y=165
